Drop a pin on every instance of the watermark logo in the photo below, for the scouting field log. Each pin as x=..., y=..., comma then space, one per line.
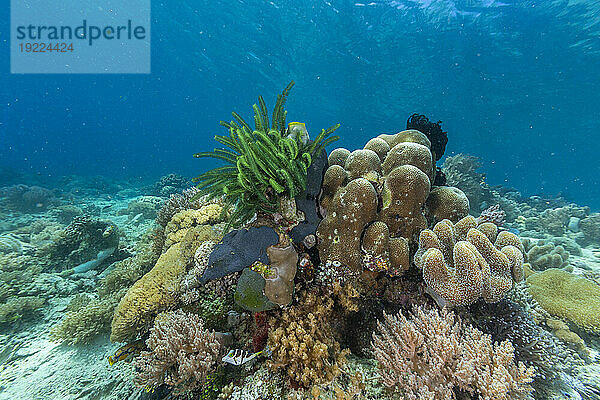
x=80, y=36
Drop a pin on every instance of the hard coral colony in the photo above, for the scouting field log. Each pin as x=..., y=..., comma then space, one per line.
x=334, y=261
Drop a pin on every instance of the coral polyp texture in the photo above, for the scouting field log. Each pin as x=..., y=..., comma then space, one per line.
x=378, y=199
x=567, y=296
x=181, y=353
x=432, y=355
x=159, y=289
x=465, y=261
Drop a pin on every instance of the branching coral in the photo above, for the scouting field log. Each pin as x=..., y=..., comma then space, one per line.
x=88, y=318
x=182, y=353
x=264, y=163
x=464, y=261
x=431, y=355
x=302, y=342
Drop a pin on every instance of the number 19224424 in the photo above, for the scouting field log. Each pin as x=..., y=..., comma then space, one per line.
x=46, y=47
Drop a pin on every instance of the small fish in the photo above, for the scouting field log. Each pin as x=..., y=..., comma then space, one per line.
x=239, y=356
x=127, y=352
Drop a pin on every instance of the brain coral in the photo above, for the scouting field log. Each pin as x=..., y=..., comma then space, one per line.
x=567, y=296
x=373, y=201
x=460, y=264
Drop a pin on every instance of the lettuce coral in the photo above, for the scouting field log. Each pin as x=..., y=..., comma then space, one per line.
x=567, y=296
x=460, y=264
x=432, y=355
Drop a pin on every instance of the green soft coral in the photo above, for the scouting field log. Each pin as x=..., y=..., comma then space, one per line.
x=263, y=163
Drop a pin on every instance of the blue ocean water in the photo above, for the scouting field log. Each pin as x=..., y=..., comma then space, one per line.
x=516, y=83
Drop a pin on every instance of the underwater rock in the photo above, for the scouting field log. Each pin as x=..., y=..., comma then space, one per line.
x=573, y=224
x=460, y=264
x=239, y=249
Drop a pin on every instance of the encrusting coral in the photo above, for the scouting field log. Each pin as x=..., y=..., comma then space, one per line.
x=373, y=199
x=158, y=290
x=465, y=261
x=567, y=296
x=182, y=353
x=432, y=355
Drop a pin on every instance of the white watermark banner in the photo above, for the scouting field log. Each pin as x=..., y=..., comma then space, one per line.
x=80, y=36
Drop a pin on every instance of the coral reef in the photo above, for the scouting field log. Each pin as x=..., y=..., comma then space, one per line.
x=567, y=296
x=239, y=249
x=28, y=199
x=158, y=290
x=85, y=239
x=493, y=214
x=433, y=355
x=533, y=345
x=302, y=343
x=181, y=223
x=461, y=172
x=147, y=206
x=554, y=221
x=374, y=200
x=169, y=185
x=264, y=163
x=433, y=131
x=465, y=261
x=186, y=200
x=88, y=317
x=542, y=255
x=590, y=227
x=182, y=353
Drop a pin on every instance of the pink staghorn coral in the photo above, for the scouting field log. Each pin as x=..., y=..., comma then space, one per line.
x=432, y=356
x=182, y=353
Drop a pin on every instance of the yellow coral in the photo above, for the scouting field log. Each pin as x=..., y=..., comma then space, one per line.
x=177, y=227
x=302, y=342
x=186, y=219
x=567, y=296
x=156, y=291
